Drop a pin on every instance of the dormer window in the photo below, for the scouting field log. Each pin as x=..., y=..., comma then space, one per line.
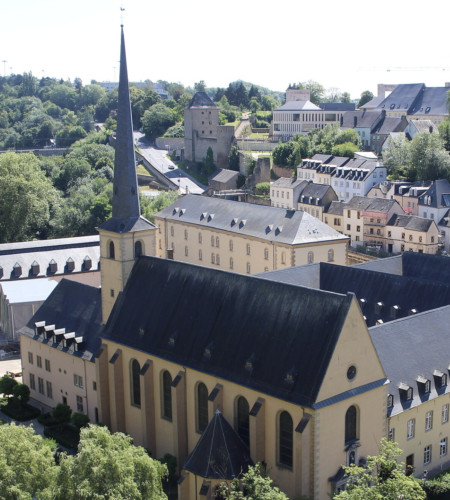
x=87, y=262
x=378, y=307
x=1, y=272
x=440, y=378
x=39, y=327
x=424, y=384
x=406, y=391
x=394, y=311
x=35, y=268
x=390, y=400
x=172, y=339
x=70, y=264
x=249, y=364
x=208, y=350
x=362, y=302
x=17, y=270
x=412, y=311
x=53, y=266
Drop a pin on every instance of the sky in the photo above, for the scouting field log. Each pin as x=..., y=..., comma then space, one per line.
x=349, y=45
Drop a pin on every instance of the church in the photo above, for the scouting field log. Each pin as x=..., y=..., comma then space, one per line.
x=221, y=370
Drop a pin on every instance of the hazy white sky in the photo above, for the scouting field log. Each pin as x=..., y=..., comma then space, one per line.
x=337, y=43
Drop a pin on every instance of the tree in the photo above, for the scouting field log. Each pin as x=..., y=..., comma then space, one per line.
x=7, y=385
x=257, y=485
x=161, y=201
x=219, y=94
x=268, y=103
x=208, y=163
x=366, y=96
x=254, y=92
x=157, y=120
x=27, y=466
x=230, y=94
x=282, y=154
x=397, y=156
x=429, y=160
x=233, y=158
x=383, y=478
x=333, y=95
x=24, y=186
x=444, y=131
x=254, y=105
x=21, y=392
x=346, y=98
x=263, y=188
x=79, y=419
x=200, y=86
x=100, y=211
x=316, y=89
x=109, y=466
x=241, y=96
x=62, y=413
x=347, y=149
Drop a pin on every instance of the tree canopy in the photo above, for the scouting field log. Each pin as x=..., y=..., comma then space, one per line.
x=366, y=96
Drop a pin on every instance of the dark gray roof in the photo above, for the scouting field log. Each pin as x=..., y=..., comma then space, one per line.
x=338, y=161
x=412, y=347
x=390, y=124
x=288, y=182
x=258, y=330
x=127, y=225
x=348, y=118
x=224, y=175
x=402, y=98
x=374, y=287
x=268, y=223
x=201, y=100
x=382, y=205
x=125, y=204
x=433, y=98
x=373, y=103
x=368, y=119
x=426, y=267
x=390, y=265
x=337, y=106
x=307, y=275
x=42, y=252
x=323, y=158
x=336, y=208
x=445, y=221
x=424, y=125
x=298, y=106
x=75, y=307
x=220, y=453
x=411, y=222
x=439, y=192
x=315, y=191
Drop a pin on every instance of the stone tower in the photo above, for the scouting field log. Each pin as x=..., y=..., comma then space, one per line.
x=127, y=234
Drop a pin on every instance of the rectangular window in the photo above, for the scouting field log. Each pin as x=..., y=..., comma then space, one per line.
x=445, y=414
x=94, y=385
x=443, y=447
x=78, y=381
x=30, y=358
x=80, y=404
x=329, y=117
x=358, y=229
x=428, y=420
x=32, y=382
x=348, y=227
x=41, y=385
x=47, y=365
x=410, y=433
x=391, y=434
x=49, y=390
x=427, y=455
x=39, y=361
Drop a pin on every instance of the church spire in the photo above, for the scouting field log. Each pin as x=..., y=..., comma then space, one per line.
x=126, y=195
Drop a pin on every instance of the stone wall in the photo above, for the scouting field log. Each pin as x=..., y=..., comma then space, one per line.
x=256, y=145
x=261, y=173
x=172, y=142
x=282, y=172
x=225, y=140
x=257, y=200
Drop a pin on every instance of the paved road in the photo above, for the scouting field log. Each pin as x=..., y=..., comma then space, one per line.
x=159, y=159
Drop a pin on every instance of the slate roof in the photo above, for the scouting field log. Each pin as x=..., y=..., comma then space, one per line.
x=224, y=175
x=127, y=225
x=433, y=98
x=439, y=192
x=388, y=125
x=220, y=453
x=258, y=330
x=390, y=265
x=313, y=190
x=337, y=106
x=426, y=267
x=323, y=158
x=75, y=307
x=411, y=222
x=19, y=292
x=338, y=161
x=445, y=221
x=298, y=106
x=402, y=98
x=42, y=252
x=201, y=100
x=336, y=208
x=368, y=119
x=374, y=287
x=424, y=125
x=412, y=347
x=348, y=118
x=288, y=182
x=291, y=227
x=373, y=103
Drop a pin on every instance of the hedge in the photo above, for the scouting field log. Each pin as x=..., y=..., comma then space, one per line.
x=21, y=411
x=69, y=437
x=436, y=490
x=47, y=420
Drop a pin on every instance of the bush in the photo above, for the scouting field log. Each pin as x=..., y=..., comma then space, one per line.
x=79, y=420
x=66, y=435
x=47, y=420
x=171, y=462
x=20, y=411
x=21, y=392
x=261, y=124
x=175, y=131
x=263, y=188
x=436, y=490
x=240, y=181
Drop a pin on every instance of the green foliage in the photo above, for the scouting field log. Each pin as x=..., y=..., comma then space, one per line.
x=384, y=478
x=346, y=98
x=366, y=96
x=175, y=131
x=283, y=154
x=27, y=466
x=171, y=463
x=438, y=488
x=47, y=420
x=233, y=158
x=22, y=412
x=249, y=163
x=157, y=204
x=7, y=385
x=256, y=485
x=263, y=188
x=109, y=466
x=268, y=103
x=21, y=393
x=347, y=149
x=240, y=181
x=79, y=419
x=62, y=413
x=208, y=163
x=157, y=120
x=65, y=434
x=397, y=156
x=316, y=89
x=254, y=105
x=444, y=131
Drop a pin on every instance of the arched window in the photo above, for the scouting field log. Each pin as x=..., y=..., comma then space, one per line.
x=185, y=234
x=310, y=257
x=231, y=245
x=186, y=252
x=330, y=255
x=212, y=241
x=112, y=253
x=199, y=237
x=351, y=424
x=248, y=248
x=243, y=420
x=286, y=439
x=217, y=242
x=200, y=255
x=231, y=263
x=171, y=231
x=266, y=253
x=213, y=258
x=248, y=267
x=283, y=257
x=218, y=259
x=135, y=383
x=202, y=407
x=167, y=395
x=138, y=248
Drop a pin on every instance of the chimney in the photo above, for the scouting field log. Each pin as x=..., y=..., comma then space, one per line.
x=355, y=121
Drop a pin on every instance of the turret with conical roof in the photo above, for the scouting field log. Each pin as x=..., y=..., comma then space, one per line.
x=127, y=234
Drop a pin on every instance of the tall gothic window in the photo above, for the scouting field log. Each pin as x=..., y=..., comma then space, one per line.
x=112, y=253
x=202, y=407
x=135, y=383
x=138, y=248
x=351, y=424
x=243, y=420
x=286, y=439
x=167, y=394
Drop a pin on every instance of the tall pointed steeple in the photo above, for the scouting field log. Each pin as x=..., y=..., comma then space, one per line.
x=126, y=194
